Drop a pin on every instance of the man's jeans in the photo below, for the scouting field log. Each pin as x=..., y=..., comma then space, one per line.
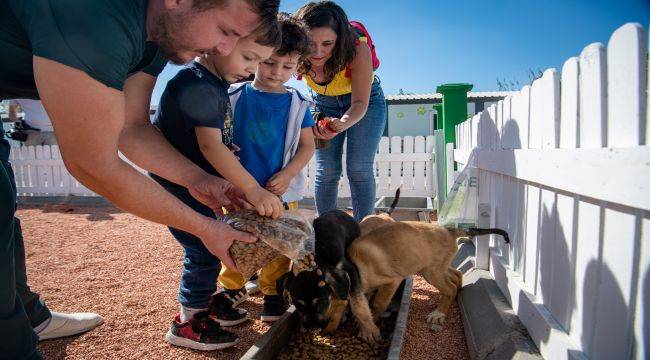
x=200, y=267
x=362, y=141
x=20, y=308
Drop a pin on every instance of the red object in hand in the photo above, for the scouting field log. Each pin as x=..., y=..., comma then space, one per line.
x=326, y=123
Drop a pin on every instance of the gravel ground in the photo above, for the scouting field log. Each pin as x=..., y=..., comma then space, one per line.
x=99, y=259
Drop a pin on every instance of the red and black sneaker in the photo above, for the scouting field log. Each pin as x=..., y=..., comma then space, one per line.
x=223, y=310
x=200, y=333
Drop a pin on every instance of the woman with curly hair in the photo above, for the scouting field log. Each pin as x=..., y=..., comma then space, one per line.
x=340, y=73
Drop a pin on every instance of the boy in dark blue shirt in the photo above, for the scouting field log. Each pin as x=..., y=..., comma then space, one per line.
x=273, y=129
x=195, y=117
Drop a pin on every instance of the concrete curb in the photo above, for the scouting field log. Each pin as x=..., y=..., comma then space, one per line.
x=492, y=329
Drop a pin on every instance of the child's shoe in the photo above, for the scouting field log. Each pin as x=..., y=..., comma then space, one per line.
x=236, y=296
x=223, y=310
x=253, y=285
x=274, y=307
x=200, y=333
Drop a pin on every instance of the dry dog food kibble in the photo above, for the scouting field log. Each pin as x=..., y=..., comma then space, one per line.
x=251, y=257
x=284, y=236
x=341, y=345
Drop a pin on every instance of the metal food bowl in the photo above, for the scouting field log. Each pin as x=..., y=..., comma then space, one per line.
x=422, y=206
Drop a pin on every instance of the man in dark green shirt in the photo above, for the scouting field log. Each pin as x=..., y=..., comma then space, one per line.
x=94, y=65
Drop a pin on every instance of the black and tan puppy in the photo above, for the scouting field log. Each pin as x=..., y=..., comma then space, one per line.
x=319, y=292
x=395, y=250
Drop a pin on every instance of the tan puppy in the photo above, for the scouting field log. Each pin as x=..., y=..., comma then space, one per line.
x=389, y=253
x=372, y=222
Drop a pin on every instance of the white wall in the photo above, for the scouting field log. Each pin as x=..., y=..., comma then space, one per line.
x=414, y=119
x=409, y=119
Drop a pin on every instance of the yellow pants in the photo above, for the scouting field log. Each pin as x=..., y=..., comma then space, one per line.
x=232, y=280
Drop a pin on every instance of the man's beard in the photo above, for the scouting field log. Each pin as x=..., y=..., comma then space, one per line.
x=169, y=45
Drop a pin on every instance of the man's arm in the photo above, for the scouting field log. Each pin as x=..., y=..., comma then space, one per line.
x=88, y=118
x=143, y=144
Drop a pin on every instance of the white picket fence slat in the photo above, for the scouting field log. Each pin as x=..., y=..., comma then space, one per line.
x=565, y=165
x=593, y=97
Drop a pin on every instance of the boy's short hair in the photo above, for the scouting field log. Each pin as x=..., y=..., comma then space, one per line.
x=294, y=37
x=268, y=33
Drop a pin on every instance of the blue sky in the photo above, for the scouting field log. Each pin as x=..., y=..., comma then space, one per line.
x=422, y=44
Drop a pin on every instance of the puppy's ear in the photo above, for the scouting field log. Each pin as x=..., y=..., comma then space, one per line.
x=281, y=285
x=339, y=282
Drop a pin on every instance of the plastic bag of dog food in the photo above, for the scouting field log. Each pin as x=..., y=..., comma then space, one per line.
x=461, y=206
x=290, y=235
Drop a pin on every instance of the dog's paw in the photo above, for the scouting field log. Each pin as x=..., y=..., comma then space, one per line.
x=369, y=334
x=436, y=319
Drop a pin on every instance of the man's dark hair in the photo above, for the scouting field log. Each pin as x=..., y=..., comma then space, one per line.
x=269, y=34
x=294, y=37
x=267, y=10
x=329, y=14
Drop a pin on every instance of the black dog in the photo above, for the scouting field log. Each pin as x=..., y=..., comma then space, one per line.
x=319, y=292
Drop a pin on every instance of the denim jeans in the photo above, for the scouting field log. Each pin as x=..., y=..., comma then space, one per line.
x=200, y=267
x=20, y=308
x=362, y=141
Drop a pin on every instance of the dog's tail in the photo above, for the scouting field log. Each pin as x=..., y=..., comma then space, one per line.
x=395, y=201
x=471, y=232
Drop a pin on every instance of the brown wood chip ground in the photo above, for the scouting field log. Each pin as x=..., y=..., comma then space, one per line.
x=99, y=259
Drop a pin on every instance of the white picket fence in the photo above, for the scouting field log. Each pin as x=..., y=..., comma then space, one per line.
x=40, y=171
x=565, y=167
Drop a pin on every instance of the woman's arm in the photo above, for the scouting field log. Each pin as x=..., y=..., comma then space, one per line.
x=226, y=163
x=279, y=182
x=362, y=78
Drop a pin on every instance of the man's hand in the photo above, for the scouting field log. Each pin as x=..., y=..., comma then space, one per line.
x=218, y=237
x=216, y=193
x=266, y=203
x=279, y=182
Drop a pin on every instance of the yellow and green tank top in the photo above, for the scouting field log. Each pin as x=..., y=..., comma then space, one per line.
x=341, y=83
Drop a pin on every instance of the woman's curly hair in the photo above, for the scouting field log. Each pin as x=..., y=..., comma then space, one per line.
x=329, y=14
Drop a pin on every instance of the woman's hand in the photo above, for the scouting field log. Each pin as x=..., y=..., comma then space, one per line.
x=279, y=182
x=322, y=131
x=342, y=124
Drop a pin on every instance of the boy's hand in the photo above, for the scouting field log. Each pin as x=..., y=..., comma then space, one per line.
x=266, y=203
x=279, y=183
x=218, y=237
